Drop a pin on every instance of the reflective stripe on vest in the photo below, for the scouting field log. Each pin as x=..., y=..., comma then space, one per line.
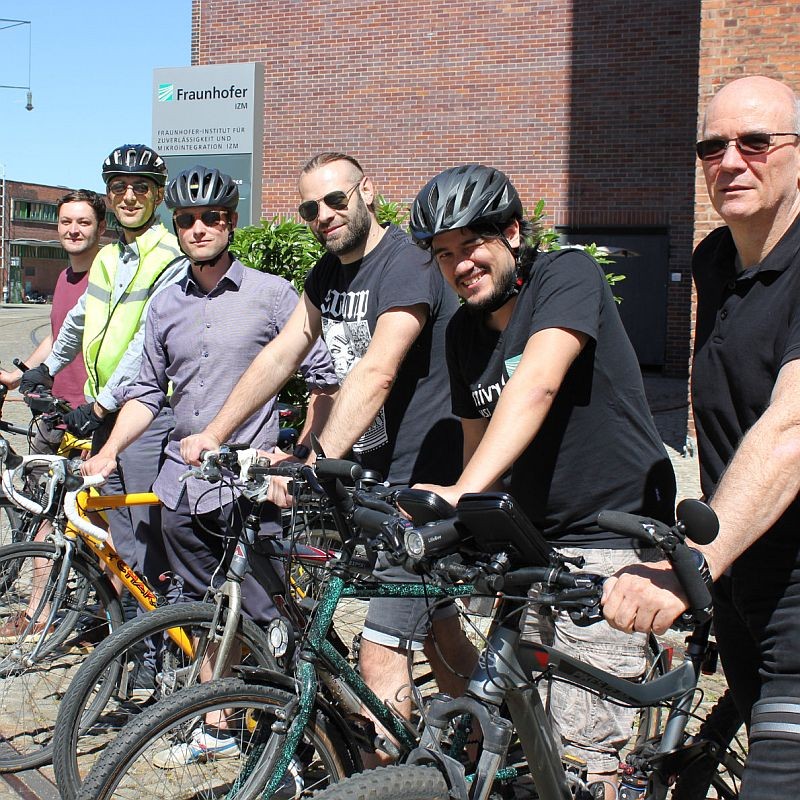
x=110, y=327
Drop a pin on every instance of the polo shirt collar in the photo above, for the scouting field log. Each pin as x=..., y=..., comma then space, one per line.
x=782, y=256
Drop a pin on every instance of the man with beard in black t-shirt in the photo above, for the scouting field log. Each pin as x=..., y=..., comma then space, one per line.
x=552, y=405
x=383, y=313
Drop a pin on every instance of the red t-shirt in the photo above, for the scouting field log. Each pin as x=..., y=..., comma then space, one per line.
x=69, y=382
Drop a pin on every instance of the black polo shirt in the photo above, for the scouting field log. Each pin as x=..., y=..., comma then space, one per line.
x=748, y=327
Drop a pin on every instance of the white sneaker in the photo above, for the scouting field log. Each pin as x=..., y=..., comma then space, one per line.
x=202, y=747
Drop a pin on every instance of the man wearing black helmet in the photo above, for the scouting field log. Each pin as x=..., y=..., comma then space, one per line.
x=107, y=326
x=552, y=405
x=190, y=344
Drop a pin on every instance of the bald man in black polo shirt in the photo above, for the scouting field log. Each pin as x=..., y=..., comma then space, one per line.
x=746, y=398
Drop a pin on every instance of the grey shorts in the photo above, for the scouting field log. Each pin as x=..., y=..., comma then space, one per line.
x=402, y=622
x=593, y=729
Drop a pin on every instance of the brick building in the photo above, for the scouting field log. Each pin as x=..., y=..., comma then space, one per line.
x=31, y=256
x=592, y=105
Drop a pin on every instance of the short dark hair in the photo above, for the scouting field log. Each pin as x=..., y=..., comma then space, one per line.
x=321, y=159
x=96, y=201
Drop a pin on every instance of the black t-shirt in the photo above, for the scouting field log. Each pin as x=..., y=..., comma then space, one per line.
x=748, y=327
x=414, y=437
x=598, y=447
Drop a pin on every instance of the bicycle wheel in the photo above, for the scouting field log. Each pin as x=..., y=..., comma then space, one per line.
x=104, y=697
x=164, y=733
x=722, y=770
x=404, y=782
x=32, y=683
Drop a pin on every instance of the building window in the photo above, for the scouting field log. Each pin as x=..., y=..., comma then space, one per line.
x=30, y=272
x=37, y=212
x=29, y=251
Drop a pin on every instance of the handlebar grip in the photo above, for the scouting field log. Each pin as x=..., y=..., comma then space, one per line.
x=691, y=580
x=370, y=520
x=625, y=524
x=332, y=468
x=20, y=364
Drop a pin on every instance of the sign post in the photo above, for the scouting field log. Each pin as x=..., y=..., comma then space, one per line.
x=213, y=115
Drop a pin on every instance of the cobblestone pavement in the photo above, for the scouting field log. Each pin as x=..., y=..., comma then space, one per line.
x=23, y=326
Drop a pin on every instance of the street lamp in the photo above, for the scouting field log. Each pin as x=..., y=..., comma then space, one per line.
x=5, y=24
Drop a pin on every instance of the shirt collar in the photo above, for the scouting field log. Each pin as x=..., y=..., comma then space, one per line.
x=233, y=276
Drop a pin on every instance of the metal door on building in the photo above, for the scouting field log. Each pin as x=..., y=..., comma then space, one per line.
x=644, y=260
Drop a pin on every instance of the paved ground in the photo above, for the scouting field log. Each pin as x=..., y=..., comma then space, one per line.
x=23, y=326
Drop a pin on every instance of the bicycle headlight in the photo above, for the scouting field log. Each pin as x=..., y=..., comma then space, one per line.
x=415, y=544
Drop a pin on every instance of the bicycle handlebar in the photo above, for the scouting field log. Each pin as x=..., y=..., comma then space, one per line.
x=670, y=541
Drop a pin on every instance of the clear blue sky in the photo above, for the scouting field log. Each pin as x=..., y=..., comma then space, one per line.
x=91, y=76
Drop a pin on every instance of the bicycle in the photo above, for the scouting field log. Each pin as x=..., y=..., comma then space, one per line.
x=505, y=701
x=66, y=605
x=98, y=704
x=294, y=734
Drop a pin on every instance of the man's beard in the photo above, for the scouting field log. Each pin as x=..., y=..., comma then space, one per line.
x=356, y=231
x=503, y=291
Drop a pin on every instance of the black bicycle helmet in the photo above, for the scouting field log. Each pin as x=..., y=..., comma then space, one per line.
x=202, y=186
x=135, y=159
x=460, y=197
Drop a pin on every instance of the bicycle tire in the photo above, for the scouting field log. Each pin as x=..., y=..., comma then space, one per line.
x=30, y=692
x=125, y=767
x=400, y=782
x=96, y=708
x=722, y=772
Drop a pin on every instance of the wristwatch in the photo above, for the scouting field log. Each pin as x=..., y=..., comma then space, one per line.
x=301, y=451
x=702, y=566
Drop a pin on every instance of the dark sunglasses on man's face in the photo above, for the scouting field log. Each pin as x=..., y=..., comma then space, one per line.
x=120, y=187
x=186, y=220
x=748, y=144
x=338, y=201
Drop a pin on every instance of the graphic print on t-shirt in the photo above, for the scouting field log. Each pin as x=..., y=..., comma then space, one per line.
x=347, y=340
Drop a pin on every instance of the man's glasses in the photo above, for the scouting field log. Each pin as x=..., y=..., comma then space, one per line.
x=749, y=144
x=338, y=201
x=187, y=219
x=120, y=187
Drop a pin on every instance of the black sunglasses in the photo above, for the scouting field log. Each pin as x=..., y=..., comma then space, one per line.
x=120, y=187
x=186, y=219
x=748, y=144
x=338, y=201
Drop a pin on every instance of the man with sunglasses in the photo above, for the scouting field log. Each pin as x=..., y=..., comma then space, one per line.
x=106, y=326
x=382, y=312
x=192, y=346
x=746, y=401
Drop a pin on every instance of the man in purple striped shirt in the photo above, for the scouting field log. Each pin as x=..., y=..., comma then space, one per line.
x=200, y=336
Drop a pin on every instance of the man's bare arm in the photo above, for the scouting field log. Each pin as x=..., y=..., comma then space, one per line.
x=262, y=379
x=368, y=384
x=763, y=478
x=13, y=377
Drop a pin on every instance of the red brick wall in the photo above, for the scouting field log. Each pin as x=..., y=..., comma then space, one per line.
x=590, y=104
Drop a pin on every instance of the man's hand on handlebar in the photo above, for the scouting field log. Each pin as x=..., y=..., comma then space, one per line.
x=11, y=379
x=99, y=465
x=449, y=493
x=644, y=598
x=83, y=420
x=37, y=376
x=279, y=492
x=193, y=446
